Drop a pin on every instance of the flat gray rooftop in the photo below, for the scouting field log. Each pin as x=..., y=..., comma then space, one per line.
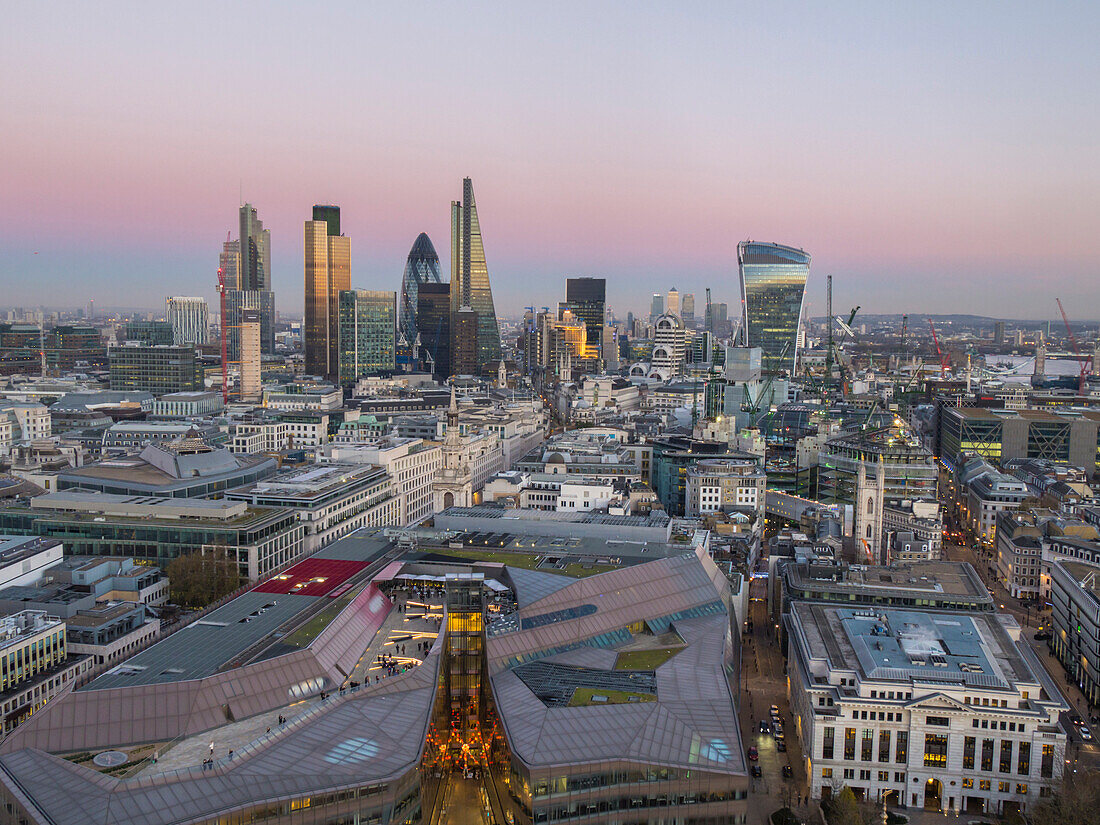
x=204, y=646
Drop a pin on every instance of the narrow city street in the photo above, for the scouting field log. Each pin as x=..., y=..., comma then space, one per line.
x=764, y=684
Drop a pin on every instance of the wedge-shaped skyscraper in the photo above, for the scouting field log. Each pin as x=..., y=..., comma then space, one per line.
x=470, y=281
x=773, y=285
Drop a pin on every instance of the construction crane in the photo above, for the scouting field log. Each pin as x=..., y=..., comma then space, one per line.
x=1082, y=380
x=224, y=334
x=939, y=352
x=751, y=405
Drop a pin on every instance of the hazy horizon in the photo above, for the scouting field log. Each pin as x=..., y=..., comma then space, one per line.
x=934, y=160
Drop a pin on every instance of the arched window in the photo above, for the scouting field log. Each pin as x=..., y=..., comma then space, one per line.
x=870, y=506
x=868, y=531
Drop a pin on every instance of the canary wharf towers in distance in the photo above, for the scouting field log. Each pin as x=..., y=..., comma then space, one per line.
x=475, y=335
x=773, y=285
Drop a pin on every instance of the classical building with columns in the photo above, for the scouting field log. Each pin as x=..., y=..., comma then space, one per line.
x=941, y=710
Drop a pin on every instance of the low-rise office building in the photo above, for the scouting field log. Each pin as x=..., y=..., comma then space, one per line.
x=412, y=463
x=187, y=404
x=111, y=631
x=986, y=493
x=185, y=468
x=949, y=712
x=156, y=369
x=724, y=484
x=331, y=500
x=1075, y=623
x=922, y=523
x=35, y=664
x=156, y=530
x=25, y=559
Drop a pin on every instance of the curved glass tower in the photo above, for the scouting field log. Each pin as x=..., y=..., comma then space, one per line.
x=422, y=267
x=773, y=285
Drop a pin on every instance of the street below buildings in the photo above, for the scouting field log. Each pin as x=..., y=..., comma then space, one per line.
x=764, y=683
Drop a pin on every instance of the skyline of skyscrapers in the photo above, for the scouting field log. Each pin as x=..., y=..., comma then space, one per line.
x=773, y=288
x=327, y=269
x=470, y=290
x=421, y=267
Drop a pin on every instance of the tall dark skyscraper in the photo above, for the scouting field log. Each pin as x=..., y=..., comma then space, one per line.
x=587, y=298
x=470, y=290
x=255, y=249
x=433, y=326
x=422, y=267
x=773, y=286
x=247, y=265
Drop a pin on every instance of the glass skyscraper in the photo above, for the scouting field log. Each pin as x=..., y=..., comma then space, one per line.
x=422, y=267
x=470, y=283
x=773, y=286
x=327, y=273
x=368, y=322
x=587, y=299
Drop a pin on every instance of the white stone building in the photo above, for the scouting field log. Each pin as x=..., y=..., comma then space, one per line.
x=945, y=711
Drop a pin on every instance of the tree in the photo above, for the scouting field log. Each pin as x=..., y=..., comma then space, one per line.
x=844, y=809
x=1077, y=802
x=197, y=579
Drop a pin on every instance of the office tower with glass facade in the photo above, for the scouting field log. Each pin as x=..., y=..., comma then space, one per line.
x=254, y=271
x=327, y=273
x=657, y=306
x=687, y=310
x=672, y=304
x=238, y=300
x=153, y=333
x=422, y=267
x=190, y=320
x=368, y=324
x=229, y=262
x=433, y=326
x=586, y=298
x=154, y=369
x=470, y=290
x=773, y=286
x=255, y=251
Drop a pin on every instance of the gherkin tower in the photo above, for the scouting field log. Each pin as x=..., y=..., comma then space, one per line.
x=422, y=267
x=470, y=278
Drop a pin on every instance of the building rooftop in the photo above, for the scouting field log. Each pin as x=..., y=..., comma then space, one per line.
x=953, y=649
x=553, y=662
x=16, y=549
x=311, y=483
x=939, y=581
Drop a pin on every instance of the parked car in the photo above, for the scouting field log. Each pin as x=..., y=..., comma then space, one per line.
x=788, y=771
x=754, y=754
x=774, y=710
x=781, y=746
x=1044, y=636
x=755, y=771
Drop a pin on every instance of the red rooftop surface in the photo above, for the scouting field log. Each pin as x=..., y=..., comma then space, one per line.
x=312, y=577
